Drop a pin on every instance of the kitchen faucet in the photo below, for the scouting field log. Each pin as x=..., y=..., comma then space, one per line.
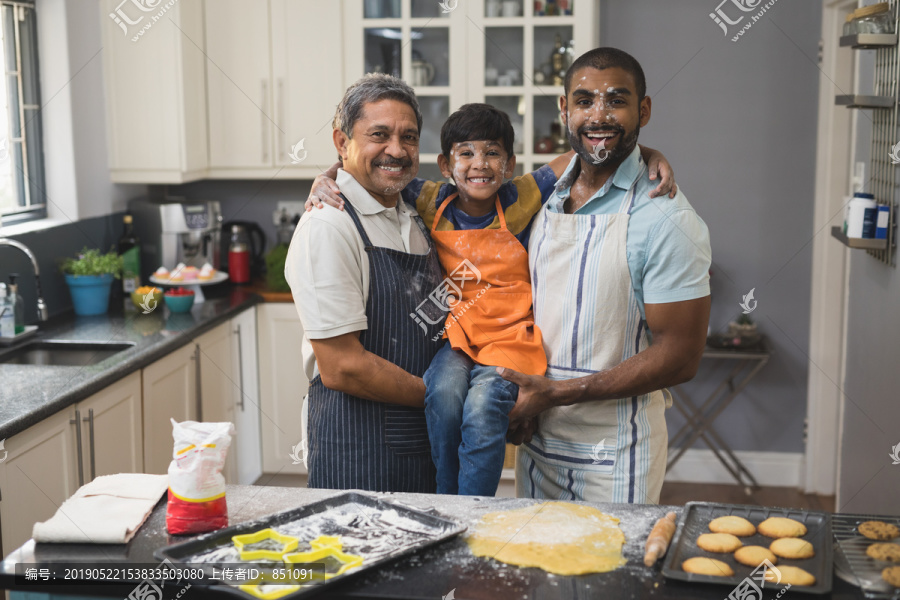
x=41, y=305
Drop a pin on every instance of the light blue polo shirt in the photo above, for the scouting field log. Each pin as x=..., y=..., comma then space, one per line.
x=667, y=242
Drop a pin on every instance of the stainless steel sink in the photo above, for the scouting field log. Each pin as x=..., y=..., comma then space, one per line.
x=63, y=353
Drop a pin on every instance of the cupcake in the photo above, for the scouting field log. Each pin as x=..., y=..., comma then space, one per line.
x=161, y=273
x=190, y=273
x=177, y=273
x=206, y=272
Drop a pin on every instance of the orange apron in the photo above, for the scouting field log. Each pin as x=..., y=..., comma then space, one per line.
x=489, y=297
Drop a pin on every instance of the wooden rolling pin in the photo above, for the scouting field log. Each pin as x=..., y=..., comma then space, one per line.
x=659, y=538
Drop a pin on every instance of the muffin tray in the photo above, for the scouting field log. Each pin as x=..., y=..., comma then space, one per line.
x=865, y=572
x=376, y=530
x=695, y=521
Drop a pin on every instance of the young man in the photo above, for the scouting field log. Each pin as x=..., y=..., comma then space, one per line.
x=625, y=263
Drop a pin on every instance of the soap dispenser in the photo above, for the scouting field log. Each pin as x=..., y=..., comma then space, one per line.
x=7, y=314
x=18, y=303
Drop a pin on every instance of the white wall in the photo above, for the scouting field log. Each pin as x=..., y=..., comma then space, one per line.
x=77, y=176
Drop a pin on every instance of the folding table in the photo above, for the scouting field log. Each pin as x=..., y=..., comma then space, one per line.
x=700, y=419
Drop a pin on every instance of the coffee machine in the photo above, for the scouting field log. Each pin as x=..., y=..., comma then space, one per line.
x=177, y=230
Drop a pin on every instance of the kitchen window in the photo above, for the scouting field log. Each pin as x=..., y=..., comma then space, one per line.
x=22, y=195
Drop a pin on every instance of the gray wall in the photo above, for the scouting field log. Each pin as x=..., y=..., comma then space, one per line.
x=738, y=122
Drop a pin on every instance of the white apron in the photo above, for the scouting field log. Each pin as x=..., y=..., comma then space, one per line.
x=584, y=304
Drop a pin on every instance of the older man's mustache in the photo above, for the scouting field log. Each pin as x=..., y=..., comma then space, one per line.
x=393, y=162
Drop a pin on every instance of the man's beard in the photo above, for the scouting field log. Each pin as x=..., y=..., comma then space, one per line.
x=602, y=156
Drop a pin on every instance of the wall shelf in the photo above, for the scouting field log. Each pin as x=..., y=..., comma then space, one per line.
x=861, y=101
x=863, y=243
x=869, y=41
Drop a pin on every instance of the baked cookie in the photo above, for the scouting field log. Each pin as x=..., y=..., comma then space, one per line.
x=779, y=527
x=738, y=526
x=753, y=556
x=706, y=566
x=892, y=576
x=791, y=575
x=879, y=530
x=792, y=548
x=888, y=552
x=718, y=542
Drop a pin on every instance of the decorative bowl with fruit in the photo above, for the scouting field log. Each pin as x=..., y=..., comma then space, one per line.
x=179, y=300
x=147, y=298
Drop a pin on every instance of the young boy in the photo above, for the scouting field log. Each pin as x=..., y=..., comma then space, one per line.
x=480, y=227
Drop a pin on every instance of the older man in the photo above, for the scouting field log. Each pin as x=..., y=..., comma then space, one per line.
x=608, y=262
x=356, y=276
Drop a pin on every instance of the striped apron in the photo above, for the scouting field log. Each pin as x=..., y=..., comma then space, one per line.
x=584, y=303
x=360, y=444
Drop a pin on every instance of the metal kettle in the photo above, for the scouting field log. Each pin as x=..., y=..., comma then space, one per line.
x=257, y=238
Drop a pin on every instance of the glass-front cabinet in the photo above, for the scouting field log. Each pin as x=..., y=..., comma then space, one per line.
x=508, y=53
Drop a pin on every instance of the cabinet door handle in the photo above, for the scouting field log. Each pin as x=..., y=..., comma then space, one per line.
x=237, y=332
x=198, y=383
x=282, y=153
x=77, y=423
x=264, y=121
x=90, y=422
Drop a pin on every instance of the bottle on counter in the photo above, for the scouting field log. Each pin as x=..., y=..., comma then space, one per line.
x=239, y=255
x=18, y=303
x=7, y=313
x=130, y=251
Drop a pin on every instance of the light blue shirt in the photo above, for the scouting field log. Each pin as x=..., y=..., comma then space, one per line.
x=667, y=243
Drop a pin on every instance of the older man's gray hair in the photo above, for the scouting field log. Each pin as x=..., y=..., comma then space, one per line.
x=372, y=88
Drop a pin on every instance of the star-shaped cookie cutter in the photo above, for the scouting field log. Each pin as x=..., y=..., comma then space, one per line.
x=287, y=542
x=325, y=546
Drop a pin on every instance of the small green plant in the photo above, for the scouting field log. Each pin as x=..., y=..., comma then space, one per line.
x=744, y=320
x=91, y=262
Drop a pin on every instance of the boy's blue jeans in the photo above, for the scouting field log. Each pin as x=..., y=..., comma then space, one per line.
x=467, y=410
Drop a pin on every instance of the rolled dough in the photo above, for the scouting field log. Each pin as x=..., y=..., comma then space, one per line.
x=558, y=537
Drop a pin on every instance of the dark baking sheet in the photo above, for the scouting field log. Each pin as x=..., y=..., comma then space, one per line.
x=695, y=521
x=865, y=571
x=437, y=530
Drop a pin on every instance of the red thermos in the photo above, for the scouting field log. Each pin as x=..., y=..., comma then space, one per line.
x=239, y=255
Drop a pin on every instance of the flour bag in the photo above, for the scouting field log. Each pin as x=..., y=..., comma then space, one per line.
x=196, y=486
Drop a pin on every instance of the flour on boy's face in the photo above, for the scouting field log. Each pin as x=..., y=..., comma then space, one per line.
x=478, y=168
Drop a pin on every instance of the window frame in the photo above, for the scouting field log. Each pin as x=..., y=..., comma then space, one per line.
x=28, y=157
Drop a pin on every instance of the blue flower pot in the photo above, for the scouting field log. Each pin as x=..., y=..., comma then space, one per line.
x=90, y=293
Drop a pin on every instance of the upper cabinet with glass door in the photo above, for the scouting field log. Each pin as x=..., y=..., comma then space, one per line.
x=518, y=53
x=508, y=53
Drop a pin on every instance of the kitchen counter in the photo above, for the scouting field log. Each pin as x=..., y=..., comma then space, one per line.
x=31, y=393
x=430, y=574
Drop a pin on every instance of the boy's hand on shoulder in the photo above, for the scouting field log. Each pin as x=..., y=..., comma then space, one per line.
x=657, y=165
x=325, y=191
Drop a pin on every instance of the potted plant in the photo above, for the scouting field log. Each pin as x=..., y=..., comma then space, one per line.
x=90, y=276
x=743, y=331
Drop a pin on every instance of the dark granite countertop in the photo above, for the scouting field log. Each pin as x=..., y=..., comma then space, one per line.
x=31, y=393
x=429, y=574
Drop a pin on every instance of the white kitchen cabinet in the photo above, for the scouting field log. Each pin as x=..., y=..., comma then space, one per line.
x=247, y=447
x=155, y=84
x=111, y=432
x=274, y=78
x=169, y=392
x=39, y=473
x=219, y=387
x=282, y=386
x=45, y=466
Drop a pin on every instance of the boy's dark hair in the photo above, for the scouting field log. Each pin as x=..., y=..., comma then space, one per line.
x=474, y=122
x=605, y=58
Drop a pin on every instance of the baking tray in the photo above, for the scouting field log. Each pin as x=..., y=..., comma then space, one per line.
x=865, y=572
x=695, y=520
x=357, y=507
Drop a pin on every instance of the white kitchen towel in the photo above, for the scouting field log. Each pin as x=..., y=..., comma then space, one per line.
x=108, y=510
